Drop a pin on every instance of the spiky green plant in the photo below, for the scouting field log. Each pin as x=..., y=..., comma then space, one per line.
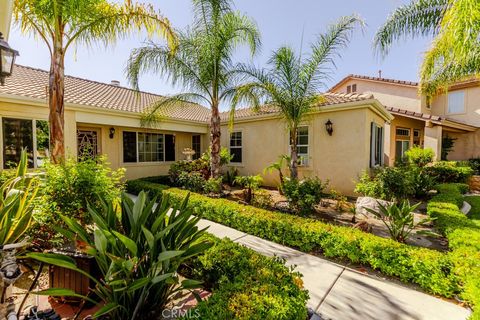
x=138, y=251
x=292, y=83
x=455, y=51
x=202, y=63
x=399, y=219
x=17, y=197
x=62, y=24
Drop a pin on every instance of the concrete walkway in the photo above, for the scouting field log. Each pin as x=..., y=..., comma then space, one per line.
x=340, y=293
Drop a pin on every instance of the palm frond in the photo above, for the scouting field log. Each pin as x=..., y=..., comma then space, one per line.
x=418, y=18
x=160, y=109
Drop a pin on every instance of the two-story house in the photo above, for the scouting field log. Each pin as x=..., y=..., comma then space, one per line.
x=454, y=114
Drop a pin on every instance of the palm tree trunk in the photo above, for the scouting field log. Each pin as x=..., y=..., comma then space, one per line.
x=293, y=154
x=56, y=103
x=215, y=142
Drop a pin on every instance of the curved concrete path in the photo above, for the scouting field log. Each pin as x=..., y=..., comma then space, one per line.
x=340, y=293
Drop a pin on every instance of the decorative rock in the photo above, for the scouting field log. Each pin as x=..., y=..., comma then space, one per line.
x=474, y=183
x=368, y=202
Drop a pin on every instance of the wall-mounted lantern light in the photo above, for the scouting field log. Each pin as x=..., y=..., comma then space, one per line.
x=7, y=59
x=111, y=132
x=329, y=127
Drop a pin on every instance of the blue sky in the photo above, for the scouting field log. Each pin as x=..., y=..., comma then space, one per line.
x=280, y=22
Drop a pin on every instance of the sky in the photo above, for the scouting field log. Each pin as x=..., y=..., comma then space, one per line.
x=281, y=22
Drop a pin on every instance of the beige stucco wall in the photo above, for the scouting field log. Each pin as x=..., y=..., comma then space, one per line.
x=391, y=95
x=339, y=158
x=467, y=145
x=6, y=7
x=100, y=121
x=472, y=107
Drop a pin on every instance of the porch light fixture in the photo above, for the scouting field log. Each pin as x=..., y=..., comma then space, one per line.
x=112, y=132
x=7, y=59
x=329, y=127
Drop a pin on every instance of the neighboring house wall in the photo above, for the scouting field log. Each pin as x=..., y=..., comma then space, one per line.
x=340, y=158
x=467, y=145
x=389, y=94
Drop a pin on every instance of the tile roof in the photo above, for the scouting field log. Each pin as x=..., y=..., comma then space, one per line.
x=33, y=83
x=387, y=80
x=330, y=99
x=418, y=115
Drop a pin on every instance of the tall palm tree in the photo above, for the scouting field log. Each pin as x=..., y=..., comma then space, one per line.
x=455, y=51
x=62, y=24
x=202, y=63
x=292, y=83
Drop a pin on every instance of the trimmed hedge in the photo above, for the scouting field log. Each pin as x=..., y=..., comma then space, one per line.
x=135, y=186
x=428, y=268
x=247, y=285
x=463, y=235
x=449, y=172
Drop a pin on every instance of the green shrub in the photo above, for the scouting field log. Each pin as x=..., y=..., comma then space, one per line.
x=395, y=183
x=69, y=188
x=368, y=186
x=463, y=236
x=165, y=180
x=449, y=172
x=428, y=268
x=262, y=199
x=138, y=249
x=193, y=181
x=138, y=185
x=250, y=185
x=247, y=285
x=399, y=219
x=7, y=174
x=305, y=194
x=213, y=185
x=474, y=163
x=419, y=157
x=201, y=166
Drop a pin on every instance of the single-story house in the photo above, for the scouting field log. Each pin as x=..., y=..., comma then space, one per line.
x=105, y=119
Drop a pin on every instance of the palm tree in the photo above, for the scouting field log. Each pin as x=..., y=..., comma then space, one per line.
x=62, y=24
x=292, y=83
x=455, y=51
x=202, y=63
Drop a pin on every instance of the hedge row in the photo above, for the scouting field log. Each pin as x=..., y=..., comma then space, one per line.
x=246, y=285
x=463, y=235
x=135, y=186
x=428, y=268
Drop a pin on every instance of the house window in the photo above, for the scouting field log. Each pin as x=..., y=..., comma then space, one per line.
x=148, y=147
x=236, y=147
x=19, y=134
x=302, y=145
x=196, y=146
x=417, y=138
x=402, y=142
x=129, y=146
x=352, y=88
x=456, y=102
x=376, y=145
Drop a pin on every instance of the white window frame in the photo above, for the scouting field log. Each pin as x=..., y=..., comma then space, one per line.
x=303, y=158
x=455, y=93
x=34, y=138
x=230, y=147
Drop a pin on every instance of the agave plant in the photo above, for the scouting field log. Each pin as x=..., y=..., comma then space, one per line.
x=399, y=219
x=16, y=203
x=138, y=250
